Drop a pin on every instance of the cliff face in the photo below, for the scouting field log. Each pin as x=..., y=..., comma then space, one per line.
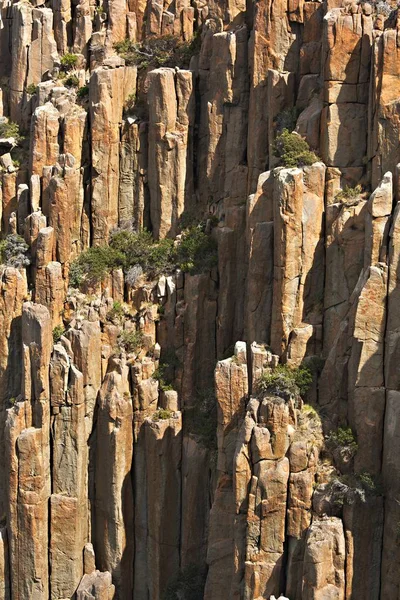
x=152, y=444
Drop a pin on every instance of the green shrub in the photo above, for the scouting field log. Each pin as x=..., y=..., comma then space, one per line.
x=187, y=585
x=31, y=89
x=162, y=414
x=94, y=264
x=14, y=252
x=140, y=249
x=346, y=489
x=69, y=61
x=284, y=380
x=165, y=372
x=343, y=437
x=197, y=251
x=83, y=91
x=10, y=130
x=72, y=81
x=130, y=104
x=348, y=193
x=201, y=419
x=155, y=52
x=293, y=150
x=116, y=312
x=58, y=331
x=132, y=341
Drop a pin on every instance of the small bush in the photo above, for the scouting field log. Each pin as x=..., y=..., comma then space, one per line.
x=201, y=419
x=31, y=89
x=187, y=585
x=348, y=193
x=343, y=437
x=83, y=91
x=10, y=130
x=116, y=312
x=139, y=249
x=58, y=331
x=14, y=251
x=93, y=265
x=69, y=61
x=132, y=341
x=293, y=150
x=165, y=372
x=284, y=380
x=155, y=52
x=162, y=414
x=346, y=489
x=197, y=251
x=72, y=81
x=130, y=104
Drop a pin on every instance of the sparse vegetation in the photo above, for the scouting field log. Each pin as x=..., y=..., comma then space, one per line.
x=162, y=414
x=197, y=251
x=14, y=252
x=130, y=104
x=348, y=194
x=58, y=331
x=10, y=129
x=346, y=489
x=116, y=313
x=94, y=264
x=138, y=253
x=31, y=89
x=293, y=150
x=201, y=418
x=83, y=91
x=130, y=340
x=342, y=440
x=187, y=585
x=284, y=380
x=165, y=372
x=309, y=426
x=69, y=61
x=155, y=52
x=72, y=81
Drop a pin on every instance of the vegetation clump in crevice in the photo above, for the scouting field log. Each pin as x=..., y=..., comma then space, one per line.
x=201, y=419
x=130, y=340
x=162, y=414
x=69, y=61
x=117, y=312
x=348, y=488
x=187, y=585
x=72, y=81
x=58, y=331
x=137, y=253
x=155, y=52
x=284, y=381
x=349, y=195
x=31, y=89
x=309, y=426
x=165, y=372
x=83, y=92
x=342, y=441
x=93, y=265
x=14, y=252
x=293, y=150
x=9, y=129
